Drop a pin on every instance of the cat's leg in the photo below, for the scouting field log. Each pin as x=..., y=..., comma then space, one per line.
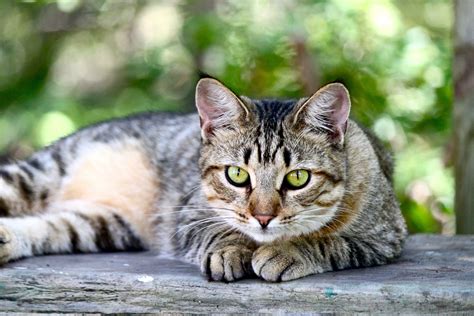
x=71, y=227
x=307, y=255
x=222, y=253
x=26, y=187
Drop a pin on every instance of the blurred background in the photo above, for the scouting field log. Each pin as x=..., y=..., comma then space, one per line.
x=66, y=64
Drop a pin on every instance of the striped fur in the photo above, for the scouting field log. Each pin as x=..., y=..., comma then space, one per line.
x=157, y=180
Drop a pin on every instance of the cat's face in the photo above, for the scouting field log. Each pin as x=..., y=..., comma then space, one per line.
x=273, y=169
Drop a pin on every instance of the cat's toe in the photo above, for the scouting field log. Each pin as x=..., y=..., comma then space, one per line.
x=227, y=264
x=276, y=264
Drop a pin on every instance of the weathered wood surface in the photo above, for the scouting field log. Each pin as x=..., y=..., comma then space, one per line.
x=435, y=274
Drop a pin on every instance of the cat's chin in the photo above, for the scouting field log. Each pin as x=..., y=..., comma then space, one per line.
x=260, y=235
x=273, y=234
x=268, y=235
x=264, y=236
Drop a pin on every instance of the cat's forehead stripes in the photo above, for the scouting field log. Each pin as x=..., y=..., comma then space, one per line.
x=273, y=110
x=247, y=154
x=287, y=157
x=270, y=136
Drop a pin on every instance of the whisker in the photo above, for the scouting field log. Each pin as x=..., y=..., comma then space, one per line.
x=187, y=228
x=192, y=206
x=196, y=211
x=211, y=226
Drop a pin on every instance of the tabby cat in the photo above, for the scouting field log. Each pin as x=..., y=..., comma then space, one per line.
x=277, y=189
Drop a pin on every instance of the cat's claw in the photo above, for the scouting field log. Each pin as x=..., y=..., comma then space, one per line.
x=227, y=264
x=280, y=263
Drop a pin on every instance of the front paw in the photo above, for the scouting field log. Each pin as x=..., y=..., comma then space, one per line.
x=6, y=245
x=282, y=262
x=227, y=264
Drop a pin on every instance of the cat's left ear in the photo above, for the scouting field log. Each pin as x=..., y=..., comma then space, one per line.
x=328, y=109
x=218, y=106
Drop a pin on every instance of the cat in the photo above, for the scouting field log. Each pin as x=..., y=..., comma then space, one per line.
x=276, y=189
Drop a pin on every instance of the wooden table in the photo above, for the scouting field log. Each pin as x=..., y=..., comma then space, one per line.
x=435, y=274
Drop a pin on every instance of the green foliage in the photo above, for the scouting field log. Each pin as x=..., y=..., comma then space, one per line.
x=69, y=63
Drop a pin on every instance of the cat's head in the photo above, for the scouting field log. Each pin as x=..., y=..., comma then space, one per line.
x=273, y=169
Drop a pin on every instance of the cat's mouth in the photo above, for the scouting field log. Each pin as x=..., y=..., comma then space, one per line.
x=279, y=229
x=264, y=235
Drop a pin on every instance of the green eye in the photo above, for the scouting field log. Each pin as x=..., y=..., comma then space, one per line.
x=237, y=176
x=297, y=179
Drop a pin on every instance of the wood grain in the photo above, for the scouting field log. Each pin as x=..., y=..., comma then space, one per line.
x=435, y=274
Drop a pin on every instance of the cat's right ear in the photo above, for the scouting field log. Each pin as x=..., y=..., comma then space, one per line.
x=328, y=109
x=218, y=106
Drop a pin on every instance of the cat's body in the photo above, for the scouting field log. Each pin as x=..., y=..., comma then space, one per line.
x=162, y=181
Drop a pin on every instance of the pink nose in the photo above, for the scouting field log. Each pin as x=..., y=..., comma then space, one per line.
x=264, y=219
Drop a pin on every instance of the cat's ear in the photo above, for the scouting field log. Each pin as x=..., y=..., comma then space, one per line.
x=217, y=106
x=328, y=109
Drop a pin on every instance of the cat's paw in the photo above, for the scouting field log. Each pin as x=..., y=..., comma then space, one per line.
x=6, y=245
x=227, y=264
x=281, y=262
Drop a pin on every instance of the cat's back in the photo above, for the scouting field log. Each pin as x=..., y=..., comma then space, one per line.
x=159, y=134
x=367, y=152
x=384, y=155
x=149, y=126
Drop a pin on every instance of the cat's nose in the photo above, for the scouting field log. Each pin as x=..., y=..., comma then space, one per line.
x=264, y=219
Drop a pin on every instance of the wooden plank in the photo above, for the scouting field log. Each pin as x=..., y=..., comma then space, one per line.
x=464, y=116
x=435, y=274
